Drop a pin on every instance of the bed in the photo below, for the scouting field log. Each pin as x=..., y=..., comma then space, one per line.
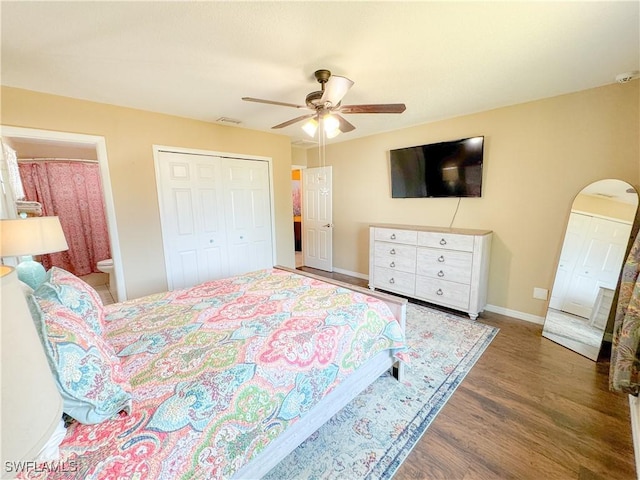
x=222, y=380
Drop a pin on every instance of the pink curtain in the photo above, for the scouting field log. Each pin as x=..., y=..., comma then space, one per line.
x=72, y=191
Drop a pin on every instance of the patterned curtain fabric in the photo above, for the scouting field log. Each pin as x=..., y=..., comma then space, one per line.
x=624, y=374
x=72, y=191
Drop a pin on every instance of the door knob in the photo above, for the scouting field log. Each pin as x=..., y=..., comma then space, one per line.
x=328, y=225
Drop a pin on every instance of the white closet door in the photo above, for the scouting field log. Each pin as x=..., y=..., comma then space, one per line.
x=192, y=218
x=248, y=215
x=215, y=215
x=598, y=264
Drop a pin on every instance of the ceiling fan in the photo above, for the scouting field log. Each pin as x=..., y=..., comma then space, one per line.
x=326, y=105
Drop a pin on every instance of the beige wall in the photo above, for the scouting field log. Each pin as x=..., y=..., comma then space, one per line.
x=298, y=157
x=538, y=156
x=604, y=207
x=129, y=136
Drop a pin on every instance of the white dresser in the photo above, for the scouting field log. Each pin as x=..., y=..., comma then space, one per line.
x=444, y=266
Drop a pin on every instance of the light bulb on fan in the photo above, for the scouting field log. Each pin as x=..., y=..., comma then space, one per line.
x=331, y=125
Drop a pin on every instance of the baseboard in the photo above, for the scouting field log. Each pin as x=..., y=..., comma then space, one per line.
x=491, y=308
x=515, y=314
x=634, y=410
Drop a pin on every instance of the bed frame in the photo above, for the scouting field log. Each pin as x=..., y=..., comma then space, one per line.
x=297, y=433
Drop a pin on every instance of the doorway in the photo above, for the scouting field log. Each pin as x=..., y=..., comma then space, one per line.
x=296, y=191
x=50, y=144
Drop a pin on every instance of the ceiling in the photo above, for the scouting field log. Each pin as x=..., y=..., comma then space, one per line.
x=614, y=190
x=197, y=59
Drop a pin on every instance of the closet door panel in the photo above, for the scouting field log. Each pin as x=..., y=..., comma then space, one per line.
x=597, y=264
x=192, y=219
x=248, y=214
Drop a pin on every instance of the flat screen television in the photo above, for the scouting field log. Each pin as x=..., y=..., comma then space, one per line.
x=445, y=169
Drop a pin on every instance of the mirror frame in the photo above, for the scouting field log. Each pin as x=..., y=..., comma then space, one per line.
x=562, y=319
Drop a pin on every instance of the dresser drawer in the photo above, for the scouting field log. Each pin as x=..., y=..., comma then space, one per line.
x=444, y=264
x=398, y=257
x=409, y=237
x=442, y=292
x=449, y=241
x=395, y=281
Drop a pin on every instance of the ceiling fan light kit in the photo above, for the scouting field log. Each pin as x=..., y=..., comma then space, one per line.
x=310, y=127
x=326, y=105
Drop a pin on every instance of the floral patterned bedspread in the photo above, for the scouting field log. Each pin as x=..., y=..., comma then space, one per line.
x=221, y=369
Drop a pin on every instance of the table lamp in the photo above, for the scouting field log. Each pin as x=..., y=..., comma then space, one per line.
x=25, y=237
x=31, y=403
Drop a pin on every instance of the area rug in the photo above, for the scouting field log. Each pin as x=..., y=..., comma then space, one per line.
x=372, y=435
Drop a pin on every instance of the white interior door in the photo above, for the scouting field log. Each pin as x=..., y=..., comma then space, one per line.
x=597, y=265
x=193, y=220
x=215, y=215
x=577, y=228
x=248, y=214
x=317, y=218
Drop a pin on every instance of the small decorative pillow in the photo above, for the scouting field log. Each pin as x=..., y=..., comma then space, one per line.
x=75, y=294
x=86, y=369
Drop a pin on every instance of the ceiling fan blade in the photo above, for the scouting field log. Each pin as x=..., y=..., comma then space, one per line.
x=272, y=102
x=294, y=120
x=345, y=126
x=335, y=88
x=374, y=108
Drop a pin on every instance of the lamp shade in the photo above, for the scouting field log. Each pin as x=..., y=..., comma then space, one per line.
x=31, y=403
x=31, y=236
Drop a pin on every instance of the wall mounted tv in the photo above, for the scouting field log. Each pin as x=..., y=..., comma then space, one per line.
x=445, y=169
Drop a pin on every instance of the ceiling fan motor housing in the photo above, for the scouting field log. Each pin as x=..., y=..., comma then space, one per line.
x=313, y=99
x=322, y=76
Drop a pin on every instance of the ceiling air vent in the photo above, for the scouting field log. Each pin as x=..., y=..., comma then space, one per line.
x=229, y=120
x=304, y=143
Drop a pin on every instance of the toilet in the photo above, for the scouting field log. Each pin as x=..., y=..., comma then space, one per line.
x=106, y=266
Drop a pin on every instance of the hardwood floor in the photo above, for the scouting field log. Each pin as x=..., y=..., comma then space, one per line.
x=529, y=409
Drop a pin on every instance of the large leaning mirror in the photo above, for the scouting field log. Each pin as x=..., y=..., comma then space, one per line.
x=595, y=242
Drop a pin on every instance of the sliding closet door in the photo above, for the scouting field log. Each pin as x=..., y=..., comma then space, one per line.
x=215, y=215
x=597, y=265
x=248, y=215
x=192, y=214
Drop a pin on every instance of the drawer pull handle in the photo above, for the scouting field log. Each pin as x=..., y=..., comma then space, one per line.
x=440, y=292
x=441, y=259
x=393, y=236
x=443, y=241
x=441, y=273
x=391, y=280
x=392, y=264
x=392, y=251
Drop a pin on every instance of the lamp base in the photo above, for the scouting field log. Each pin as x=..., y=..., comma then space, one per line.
x=30, y=272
